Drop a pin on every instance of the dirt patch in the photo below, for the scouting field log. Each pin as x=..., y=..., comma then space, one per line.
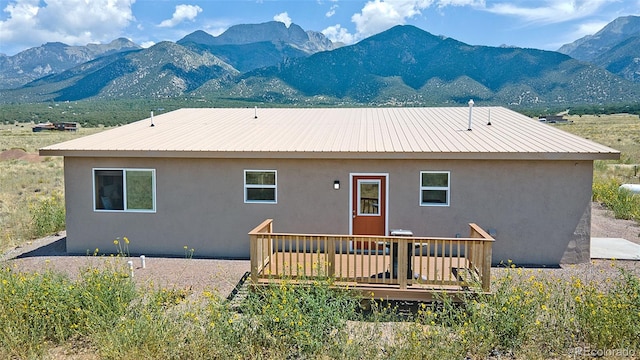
x=19, y=154
x=604, y=224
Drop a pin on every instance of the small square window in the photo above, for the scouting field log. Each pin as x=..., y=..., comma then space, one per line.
x=260, y=186
x=434, y=188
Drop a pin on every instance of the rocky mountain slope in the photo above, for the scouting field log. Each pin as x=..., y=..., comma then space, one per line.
x=616, y=47
x=52, y=58
x=408, y=64
x=252, y=46
x=163, y=70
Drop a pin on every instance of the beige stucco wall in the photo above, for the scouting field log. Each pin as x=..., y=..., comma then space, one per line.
x=540, y=210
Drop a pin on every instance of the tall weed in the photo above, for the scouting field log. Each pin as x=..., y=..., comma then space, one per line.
x=623, y=203
x=301, y=320
x=47, y=214
x=530, y=314
x=41, y=308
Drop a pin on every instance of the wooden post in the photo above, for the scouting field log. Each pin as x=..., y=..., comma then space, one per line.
x=254, y=258
x=402, y=263
x=331, y=257
x=486, y=266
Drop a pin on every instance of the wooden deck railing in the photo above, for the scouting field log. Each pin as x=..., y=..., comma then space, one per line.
x=363, y=260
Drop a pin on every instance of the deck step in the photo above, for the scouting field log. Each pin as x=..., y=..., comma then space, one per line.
x=239, y=293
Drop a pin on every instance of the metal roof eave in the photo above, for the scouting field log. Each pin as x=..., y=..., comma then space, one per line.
x=614, y=155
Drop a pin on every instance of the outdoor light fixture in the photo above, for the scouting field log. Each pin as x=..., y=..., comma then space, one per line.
x=336, y=185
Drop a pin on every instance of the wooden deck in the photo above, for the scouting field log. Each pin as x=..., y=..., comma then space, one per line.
x=431, y=265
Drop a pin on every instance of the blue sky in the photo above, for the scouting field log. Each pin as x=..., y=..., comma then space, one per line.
x=542, y=24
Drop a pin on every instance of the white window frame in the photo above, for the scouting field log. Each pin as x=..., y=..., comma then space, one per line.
x=124, y=190
x=261, y=186
x=445, y=188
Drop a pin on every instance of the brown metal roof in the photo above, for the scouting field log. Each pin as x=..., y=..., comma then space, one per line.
x=374, y=133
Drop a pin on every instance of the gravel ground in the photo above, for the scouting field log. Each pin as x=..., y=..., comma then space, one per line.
x=222, y=276
x=604, y=225
x=196, y=275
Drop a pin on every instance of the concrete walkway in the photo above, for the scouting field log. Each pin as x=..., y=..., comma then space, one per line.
x=614, y=248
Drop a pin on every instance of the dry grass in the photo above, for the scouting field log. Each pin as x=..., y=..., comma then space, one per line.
x=619, y=131
x=26, y=179
x=20, y=136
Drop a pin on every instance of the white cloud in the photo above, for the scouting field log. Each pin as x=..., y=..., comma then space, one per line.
x=473, y=3
x=332, y=11
x=589, y=28
x=551, y=11
x=379, y=15
x=182, y=13
x=215, y=31
x=75, y=22
x=337, y=33
x=283, y=18
x=579, y=31
x=148, y=44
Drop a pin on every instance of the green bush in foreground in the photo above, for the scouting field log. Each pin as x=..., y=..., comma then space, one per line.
x=531, y=314
x=300, y=320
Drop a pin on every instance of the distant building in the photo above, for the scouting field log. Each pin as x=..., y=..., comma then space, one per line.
x=205, y=177
x=552, y=119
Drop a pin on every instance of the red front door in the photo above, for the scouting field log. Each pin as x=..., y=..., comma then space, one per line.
x=368, y=206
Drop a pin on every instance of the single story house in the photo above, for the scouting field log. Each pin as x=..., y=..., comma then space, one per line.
x=203, y=178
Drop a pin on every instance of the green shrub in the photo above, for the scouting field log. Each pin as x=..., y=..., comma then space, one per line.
x=47, y=214
x=623, y=203
x=609, y=319
x=528, y=315
x=151, y=328
x=531, y=314
x=300, y=320
x=36, y=309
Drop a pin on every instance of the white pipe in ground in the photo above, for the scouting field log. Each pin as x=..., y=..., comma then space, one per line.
x=143, y=262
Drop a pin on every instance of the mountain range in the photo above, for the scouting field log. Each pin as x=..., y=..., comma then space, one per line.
x=404, y=65
x=616, y=48
x=53, y=58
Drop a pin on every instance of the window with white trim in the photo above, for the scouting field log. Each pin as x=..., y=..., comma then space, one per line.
x=131, y=190
x=434, y=188
x=260, y=186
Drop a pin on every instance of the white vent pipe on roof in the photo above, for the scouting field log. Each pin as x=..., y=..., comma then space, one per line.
x=470, y=113
x=489, y=121
x=152, y=125
x=255, y=112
